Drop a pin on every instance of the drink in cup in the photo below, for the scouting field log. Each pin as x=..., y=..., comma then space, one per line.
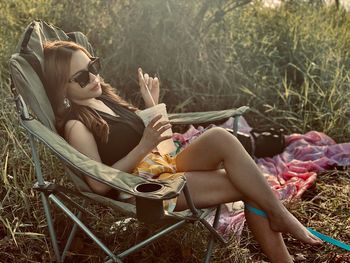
x=149, y=114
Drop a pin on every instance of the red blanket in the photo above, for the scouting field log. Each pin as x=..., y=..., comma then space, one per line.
x=289, y=173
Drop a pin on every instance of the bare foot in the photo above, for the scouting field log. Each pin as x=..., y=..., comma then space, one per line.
x=285, y=222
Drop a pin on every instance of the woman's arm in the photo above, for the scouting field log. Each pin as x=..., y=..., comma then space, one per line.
x=80, y=137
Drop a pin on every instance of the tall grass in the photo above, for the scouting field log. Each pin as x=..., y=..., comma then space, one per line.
x=290, y=64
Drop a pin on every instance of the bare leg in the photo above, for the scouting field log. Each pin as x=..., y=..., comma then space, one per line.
x=210, y=188
x=216, y=146
x=271, y=242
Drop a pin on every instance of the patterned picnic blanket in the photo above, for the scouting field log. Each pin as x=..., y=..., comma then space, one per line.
x=290, y=173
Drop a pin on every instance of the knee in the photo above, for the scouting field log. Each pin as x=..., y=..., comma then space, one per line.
x=221, y=135
x=221, y=138
x=218, y=131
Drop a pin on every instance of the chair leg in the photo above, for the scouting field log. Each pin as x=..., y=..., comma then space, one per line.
x=71, y=237
x=161, y=233
x=209, y=250
x=211, y=242
x=44, y=198
x=51, y=228
x=214, y=234
x=76, y=220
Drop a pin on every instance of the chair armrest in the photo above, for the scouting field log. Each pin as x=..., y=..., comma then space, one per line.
x=207, y=116
x=119, y=180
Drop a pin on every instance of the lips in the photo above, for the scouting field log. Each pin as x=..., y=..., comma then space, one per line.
x=97, y=86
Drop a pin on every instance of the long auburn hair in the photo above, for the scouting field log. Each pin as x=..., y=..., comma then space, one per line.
x=57, y=58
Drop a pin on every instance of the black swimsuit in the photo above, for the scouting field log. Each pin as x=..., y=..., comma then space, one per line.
x=125, y=133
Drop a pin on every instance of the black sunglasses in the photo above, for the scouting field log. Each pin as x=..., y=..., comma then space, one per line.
x=82, y=77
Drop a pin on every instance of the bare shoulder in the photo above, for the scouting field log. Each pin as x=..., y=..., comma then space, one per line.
x=76, y=125
x=76, y=131
x=81, y=138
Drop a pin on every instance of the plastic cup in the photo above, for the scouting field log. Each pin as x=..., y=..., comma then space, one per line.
x=167, y=146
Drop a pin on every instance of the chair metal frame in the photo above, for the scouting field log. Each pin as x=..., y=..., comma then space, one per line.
x=58, y=196
x=26, y=62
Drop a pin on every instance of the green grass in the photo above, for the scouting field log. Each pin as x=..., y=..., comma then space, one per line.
x=290, y=65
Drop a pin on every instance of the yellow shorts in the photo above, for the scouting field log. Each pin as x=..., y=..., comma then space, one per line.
x=160, y=167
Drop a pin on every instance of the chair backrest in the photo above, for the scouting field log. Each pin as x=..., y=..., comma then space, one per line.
x=27, y=66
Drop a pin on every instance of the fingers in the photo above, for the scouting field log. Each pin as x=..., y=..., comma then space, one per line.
x=164, y=128
x=141, y=80
x=149, y=81
x=152, y=82
x=155, y=83
x=146, y=80
x=159, y=127
x=161, y=124
x=154, y=120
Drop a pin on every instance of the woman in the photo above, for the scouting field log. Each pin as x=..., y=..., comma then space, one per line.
x=101, y=125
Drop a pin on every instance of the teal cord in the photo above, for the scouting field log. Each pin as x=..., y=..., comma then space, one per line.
x=255, y=210
x=323, y=237
x=329, y=239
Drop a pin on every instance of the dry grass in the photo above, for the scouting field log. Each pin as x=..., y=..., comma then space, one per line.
x=324, y=208
x=24, y=237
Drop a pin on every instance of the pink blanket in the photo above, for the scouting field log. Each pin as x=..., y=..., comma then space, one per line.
x=289, y=173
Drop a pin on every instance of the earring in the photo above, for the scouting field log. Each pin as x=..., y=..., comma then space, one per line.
x=66, y=103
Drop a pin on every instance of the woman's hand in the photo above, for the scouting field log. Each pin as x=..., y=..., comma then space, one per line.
x=152, y=134
x=153, y=85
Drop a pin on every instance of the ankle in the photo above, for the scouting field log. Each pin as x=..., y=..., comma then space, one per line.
x=276, y=209
x=273, y=209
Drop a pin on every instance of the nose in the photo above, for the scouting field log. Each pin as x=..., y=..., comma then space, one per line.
x=93, y=77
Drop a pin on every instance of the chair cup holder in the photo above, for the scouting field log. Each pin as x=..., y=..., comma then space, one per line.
x=149, y=210
x=148, y=187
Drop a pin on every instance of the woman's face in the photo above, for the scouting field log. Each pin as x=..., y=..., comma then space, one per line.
x=75, y=92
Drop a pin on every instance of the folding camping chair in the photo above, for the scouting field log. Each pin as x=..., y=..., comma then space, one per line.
x=38, y=120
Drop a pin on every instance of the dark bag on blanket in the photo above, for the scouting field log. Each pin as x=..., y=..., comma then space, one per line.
x=262, y=142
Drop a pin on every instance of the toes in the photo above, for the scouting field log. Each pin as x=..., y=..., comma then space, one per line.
x=317, y=241
x=314, y=240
